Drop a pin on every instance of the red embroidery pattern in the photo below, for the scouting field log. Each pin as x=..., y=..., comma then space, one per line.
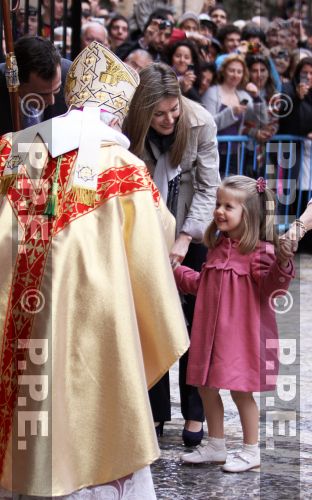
x=28, y=205
x=113, y=182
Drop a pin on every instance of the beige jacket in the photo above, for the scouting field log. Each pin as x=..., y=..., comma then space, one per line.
x=200, y=173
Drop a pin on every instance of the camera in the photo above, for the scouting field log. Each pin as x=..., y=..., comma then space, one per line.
x=282, y=54
x=165, y=24
x=190, y=67
x=304, y=79
x=254, y=47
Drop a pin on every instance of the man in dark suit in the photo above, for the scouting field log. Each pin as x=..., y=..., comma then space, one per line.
x=42, y=74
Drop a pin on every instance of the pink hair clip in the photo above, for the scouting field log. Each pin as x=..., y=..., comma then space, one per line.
x=261, y=184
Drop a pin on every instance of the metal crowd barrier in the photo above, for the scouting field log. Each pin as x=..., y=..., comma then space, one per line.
x=287, y=168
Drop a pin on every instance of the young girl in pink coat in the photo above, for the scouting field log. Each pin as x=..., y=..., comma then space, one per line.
x=234, y=315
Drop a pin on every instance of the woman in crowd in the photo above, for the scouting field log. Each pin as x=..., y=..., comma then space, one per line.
x=184, y=59
x=177, y=140
x=281, y=59
x=296, y=57
x=260, y=75
x=296, y=120
x=232, y=102
x=207, y=77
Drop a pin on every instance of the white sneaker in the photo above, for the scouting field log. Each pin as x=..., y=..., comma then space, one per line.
x=205, y=453
x=242, y=461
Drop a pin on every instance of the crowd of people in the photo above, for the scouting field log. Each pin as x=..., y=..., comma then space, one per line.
x=196, y=45
x=132, y=184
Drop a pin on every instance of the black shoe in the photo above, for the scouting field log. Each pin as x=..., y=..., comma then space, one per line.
x=159, y=429
x=192, y=438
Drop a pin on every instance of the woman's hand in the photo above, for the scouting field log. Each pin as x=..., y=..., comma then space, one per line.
x=187, y=80
x=179, y=249
x=252, y=89
x=302, y=90
x=266, y=132
x=287, y=248
x=240, y=109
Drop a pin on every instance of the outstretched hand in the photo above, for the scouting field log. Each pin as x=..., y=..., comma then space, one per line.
x=179, y=249
x=287, y=250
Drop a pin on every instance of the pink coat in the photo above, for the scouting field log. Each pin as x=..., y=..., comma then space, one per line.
x=234, y=317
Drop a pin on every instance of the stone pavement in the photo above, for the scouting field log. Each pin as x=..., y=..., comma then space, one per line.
x=286, y=473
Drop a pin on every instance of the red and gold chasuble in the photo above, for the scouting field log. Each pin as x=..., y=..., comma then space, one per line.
x=88, y=293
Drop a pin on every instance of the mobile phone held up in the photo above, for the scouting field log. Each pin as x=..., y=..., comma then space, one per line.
x=190, y=67
x=243, y=102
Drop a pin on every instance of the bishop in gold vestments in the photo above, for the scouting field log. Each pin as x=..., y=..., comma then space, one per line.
x=89, y=312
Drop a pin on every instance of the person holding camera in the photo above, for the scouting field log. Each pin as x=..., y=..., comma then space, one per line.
x=296, y=120
x=184, y=59
x=156, y=37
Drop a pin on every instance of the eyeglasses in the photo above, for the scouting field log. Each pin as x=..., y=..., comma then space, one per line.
x=280, y=55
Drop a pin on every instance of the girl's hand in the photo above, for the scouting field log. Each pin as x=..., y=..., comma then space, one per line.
x=179, y=249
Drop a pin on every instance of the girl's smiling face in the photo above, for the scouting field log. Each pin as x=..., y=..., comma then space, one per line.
x=228, y=214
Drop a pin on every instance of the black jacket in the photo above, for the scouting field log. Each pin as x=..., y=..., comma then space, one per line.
x=58, y=108
x=299, y=120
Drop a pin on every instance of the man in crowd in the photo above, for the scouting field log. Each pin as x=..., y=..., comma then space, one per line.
x=118, y=31
x=139, y=59
x=93, y=32
x=42, y=73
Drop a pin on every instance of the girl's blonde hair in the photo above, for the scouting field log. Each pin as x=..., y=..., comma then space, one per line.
x=228, y=60
x=157, y=82
x=258, y=213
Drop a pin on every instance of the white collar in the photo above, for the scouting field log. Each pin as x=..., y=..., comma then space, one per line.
x=62, y=133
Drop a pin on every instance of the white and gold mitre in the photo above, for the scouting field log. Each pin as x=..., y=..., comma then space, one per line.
x=99, y=78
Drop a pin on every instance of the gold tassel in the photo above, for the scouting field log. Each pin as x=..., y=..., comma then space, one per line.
x=85, y=196
x=6, y=182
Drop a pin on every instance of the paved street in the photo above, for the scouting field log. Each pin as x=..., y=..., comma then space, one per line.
x=286, y=471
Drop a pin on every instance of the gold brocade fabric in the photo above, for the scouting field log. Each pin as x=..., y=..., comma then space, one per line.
x=113, y=323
